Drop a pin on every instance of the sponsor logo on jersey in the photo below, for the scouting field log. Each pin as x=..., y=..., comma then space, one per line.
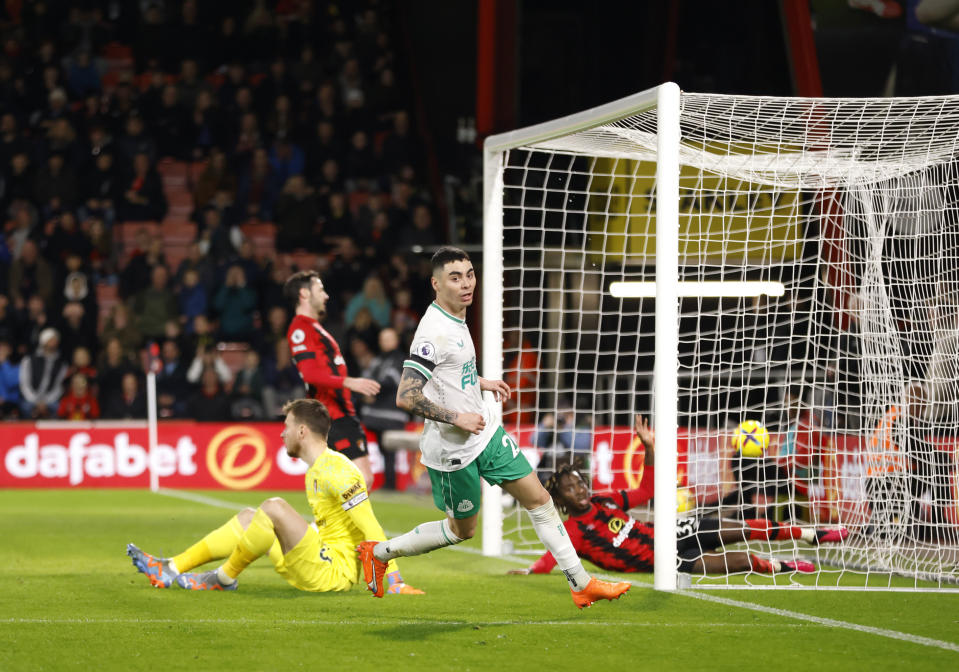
x=425, y=350
x=468, y=374
x=464, y=506
x=621, y=527
x=298, y=336
x=297, y=348
x=460, y=343
x=352, y=490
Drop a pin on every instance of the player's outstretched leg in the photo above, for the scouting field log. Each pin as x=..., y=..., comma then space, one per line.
x=374, y=569
x=597, y=589
x=161, y=571
x=203, y=581
x=774, y=566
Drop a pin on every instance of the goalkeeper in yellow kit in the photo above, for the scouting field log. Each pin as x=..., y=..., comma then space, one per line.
x=317, y=557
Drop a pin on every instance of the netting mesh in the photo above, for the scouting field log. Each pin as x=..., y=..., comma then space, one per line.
x=850, y=206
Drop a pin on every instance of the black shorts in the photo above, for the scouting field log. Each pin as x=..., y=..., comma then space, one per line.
x=347, y=436
x=695, y=536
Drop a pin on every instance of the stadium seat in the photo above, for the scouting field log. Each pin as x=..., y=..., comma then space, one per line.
x=172, y=173
x=303, y=260
x=177, y=231
x=261, y=234
x=357, y=200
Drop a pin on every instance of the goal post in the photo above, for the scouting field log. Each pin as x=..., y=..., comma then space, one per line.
x=706, y=260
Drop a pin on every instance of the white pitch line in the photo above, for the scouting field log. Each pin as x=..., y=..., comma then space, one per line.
x=313, y=621
x=785, y=613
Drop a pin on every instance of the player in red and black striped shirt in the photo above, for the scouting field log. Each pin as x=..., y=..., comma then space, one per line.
x=321, y=365
x=603, y=532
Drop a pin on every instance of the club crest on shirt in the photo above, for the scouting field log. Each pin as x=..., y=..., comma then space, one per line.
x=339, y=361
x=425, y=350
x=297, y=336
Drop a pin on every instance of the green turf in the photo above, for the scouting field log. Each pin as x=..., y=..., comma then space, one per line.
x=70, y=599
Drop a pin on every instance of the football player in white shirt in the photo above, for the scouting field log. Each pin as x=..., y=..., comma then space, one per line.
x=441, y=384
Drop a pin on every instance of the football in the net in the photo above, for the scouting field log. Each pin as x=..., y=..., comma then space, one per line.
x=751, y=439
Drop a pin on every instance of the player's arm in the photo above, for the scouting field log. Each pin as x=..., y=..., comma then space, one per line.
x=360, y=512
x=410, y=397
x=648, y=438
x=319, y=376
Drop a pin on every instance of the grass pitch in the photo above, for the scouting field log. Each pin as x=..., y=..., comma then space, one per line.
x=71, y=600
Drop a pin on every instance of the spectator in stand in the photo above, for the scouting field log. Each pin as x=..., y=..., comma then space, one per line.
x=82, y=362
x=398, y=147
x=209, y=403
x=329, y=181
x=206, y=125
x=337, y=220
x=41, y=377
x=30, y=274
x=202, y=336
x=215, y=237
x=101, y=189
x=82, y=75
x=216, y=176
x=9, y=383
x=373, y=298
x=197, y=260
x=113, y=365
x=257, y=191
x=118, y=326
x=65, y=241
x=422, y=233
x=19, y=179
x=380, y=413
x=34, y=322
x=277, y=321
x=236, y=305
x=127, y=402
x=207, y=358
x=143, y=198
x=360, y=166
x=248, y=389
x=347, y=272
x=192, y=299
x=154, y=306
x=172, y=385
x=361, y=328
x=146, y=253
x=286, y=160
x=324, y=146
x=79, y=403
x=296, y=216
x=77, y=329
x=56, y=186
x=169, y=123
x=403, y=318
x=282, y=380
x=135, y=141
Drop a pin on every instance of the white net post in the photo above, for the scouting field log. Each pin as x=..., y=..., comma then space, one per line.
x=667, y=328
x=492, y=338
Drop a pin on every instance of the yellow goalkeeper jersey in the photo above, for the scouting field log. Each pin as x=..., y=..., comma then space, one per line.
x=340, y=503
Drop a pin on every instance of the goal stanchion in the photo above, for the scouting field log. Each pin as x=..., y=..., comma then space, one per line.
x=815, y=282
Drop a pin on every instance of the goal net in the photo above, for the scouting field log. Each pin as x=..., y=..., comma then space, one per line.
x=813, y=287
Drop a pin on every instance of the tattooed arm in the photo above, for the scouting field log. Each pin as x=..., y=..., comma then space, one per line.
x=411, y=399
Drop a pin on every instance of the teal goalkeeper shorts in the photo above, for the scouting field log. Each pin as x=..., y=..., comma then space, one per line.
x=459, y=493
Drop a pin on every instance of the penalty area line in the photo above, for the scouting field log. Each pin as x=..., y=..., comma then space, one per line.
x=774, y=611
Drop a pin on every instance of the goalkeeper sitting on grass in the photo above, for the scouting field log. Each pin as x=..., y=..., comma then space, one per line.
x=603, y=532
x=318, y=557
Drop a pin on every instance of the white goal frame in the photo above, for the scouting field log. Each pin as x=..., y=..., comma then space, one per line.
x=665, y=98
x=857, y=153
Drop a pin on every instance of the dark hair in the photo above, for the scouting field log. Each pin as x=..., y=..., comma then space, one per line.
x=552, y=483
x=296, y=282
x=445, y=255
x=311, y=413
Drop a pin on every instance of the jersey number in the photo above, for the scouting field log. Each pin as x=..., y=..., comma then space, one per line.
x=509, y=443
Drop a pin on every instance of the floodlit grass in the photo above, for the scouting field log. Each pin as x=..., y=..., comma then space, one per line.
x=70, y=599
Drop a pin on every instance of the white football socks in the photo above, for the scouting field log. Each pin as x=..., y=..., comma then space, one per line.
x=421, y=539
x=549, y=528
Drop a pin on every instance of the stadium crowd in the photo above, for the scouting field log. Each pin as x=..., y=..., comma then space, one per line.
x=165, y=166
